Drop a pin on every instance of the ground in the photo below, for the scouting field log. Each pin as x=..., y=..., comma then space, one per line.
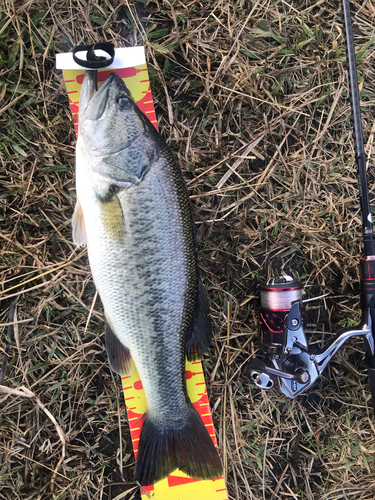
x=222, y=73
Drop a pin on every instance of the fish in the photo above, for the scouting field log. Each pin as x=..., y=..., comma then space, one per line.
x=133, y=212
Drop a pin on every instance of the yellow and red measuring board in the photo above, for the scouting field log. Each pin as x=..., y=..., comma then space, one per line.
x=136, y=80
x=177, y=486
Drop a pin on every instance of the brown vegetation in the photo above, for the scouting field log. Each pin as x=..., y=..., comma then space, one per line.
x=222, y=73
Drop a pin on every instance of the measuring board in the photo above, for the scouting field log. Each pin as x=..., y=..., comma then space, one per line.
x=136, y=80
x=177, y=486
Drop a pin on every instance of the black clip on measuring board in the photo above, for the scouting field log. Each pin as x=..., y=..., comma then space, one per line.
x=287, y=357
x=92, y=60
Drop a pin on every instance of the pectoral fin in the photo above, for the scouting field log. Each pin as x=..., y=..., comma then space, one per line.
x=198, y=342
x=112, y=216
x=79, y=227
x=118, y=355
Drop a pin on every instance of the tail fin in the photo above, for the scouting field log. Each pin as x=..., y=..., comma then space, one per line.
x=184, y=445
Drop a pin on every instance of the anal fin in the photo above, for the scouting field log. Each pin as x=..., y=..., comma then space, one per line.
x=79, y=227
x=198, y=342
x=118, y=355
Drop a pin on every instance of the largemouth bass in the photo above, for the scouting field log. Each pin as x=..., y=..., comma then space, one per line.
x=134, y=213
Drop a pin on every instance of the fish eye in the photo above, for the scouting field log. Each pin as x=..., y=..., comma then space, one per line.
x=124, y=103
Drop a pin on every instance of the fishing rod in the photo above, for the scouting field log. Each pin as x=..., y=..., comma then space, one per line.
x=287, y=358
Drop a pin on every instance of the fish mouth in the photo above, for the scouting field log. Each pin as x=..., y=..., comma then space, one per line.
x=99, y=114
x=113, y=87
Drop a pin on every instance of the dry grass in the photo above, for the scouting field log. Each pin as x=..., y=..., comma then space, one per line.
x=222, y=73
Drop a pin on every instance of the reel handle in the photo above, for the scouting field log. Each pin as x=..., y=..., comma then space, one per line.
x=261, y=374
x=258, y=374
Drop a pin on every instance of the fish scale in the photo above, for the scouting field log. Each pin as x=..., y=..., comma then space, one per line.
x=142, y=254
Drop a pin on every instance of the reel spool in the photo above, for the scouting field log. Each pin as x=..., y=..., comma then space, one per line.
x=276, y=299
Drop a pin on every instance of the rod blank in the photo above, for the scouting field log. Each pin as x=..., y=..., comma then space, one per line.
x=357, y=133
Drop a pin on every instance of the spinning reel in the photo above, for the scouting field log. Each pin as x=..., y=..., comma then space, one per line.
x=287, y=356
